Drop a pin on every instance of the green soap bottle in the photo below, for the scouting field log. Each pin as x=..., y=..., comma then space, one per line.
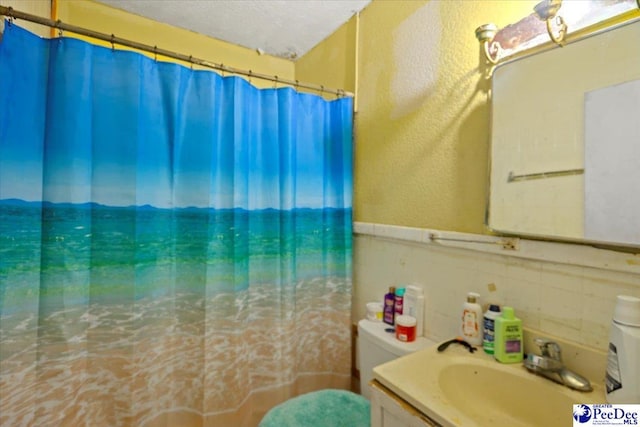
x=508, y=337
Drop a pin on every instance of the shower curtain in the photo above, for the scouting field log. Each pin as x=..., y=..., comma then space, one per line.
x=175, y=246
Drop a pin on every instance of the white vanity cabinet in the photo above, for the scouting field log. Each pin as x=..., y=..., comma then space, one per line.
x=389, y=410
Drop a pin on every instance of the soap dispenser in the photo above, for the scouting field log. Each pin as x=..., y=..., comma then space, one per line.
x=471, y=327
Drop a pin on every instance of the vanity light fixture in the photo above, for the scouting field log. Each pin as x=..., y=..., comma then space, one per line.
x=547, y=11
x=485, y=34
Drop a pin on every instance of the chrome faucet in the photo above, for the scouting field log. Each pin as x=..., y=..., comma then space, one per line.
x=549, y=364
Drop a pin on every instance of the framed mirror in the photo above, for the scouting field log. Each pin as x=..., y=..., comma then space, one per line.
x=565, y=141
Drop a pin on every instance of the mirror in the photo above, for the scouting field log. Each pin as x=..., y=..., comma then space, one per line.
x=565, y=141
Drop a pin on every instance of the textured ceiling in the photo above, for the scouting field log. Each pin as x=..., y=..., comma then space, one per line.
x=285, y=28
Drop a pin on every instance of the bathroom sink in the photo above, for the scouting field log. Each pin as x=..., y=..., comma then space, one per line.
x=493, y=395
x=457, y=388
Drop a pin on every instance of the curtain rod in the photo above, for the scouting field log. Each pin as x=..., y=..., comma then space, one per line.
x=15, y=14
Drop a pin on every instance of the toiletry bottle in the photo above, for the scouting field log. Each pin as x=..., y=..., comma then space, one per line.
x=399, y=302
x=471, y=328
x=508, y=338
x=623, y=362
x=489, y=330
x=413, y=305
x=388, y=312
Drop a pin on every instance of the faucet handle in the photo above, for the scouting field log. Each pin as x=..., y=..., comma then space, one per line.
x=549, y=348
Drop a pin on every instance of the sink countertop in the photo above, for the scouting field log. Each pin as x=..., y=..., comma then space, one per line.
x=416, y=378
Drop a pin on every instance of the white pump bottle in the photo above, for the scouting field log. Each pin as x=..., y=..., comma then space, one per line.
x=471, y=326
x=623, y=365
x=414, y=306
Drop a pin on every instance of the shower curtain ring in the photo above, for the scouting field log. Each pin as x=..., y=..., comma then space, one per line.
x=297, y=85
x=113, y=44
x=155, y=53
x=250, y=74
x=275, y=83
x=10, y=15
x=191, y=61
x=58, y=23
x=222, y=69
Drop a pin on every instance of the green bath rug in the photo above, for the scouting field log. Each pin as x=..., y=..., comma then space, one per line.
x=324, y=408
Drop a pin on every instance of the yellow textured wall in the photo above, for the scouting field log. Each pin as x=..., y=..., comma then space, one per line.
x=34, y=7
x=108, y=20
x=422, y=127
x=332, y=62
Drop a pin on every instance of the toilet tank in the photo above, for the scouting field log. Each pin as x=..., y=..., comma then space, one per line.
x=376, y=345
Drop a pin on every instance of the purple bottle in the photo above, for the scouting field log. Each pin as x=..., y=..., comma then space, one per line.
x=388, y=310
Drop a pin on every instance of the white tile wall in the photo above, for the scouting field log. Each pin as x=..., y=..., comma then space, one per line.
x=569, y=291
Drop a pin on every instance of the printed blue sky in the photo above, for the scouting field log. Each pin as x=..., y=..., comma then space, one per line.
x=160, y=134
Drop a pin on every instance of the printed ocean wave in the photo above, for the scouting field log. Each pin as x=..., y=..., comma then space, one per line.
x=109, y=364
x=109, y=316
x=65, y=253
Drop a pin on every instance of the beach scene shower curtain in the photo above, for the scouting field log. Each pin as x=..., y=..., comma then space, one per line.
x=175, y=246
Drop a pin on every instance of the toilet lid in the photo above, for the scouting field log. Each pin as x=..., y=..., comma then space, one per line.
x=379, y=334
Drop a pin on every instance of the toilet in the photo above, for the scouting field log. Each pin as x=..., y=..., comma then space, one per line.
x=376, y=345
